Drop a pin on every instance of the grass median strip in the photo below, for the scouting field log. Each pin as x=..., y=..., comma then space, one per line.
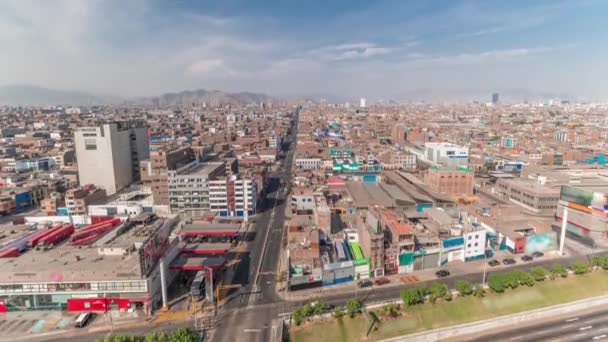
x=460, y=310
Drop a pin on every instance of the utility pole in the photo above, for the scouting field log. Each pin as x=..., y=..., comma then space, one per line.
x=562, y=238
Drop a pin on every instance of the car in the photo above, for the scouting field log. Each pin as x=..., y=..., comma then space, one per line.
x=382, y=281
x=83, y=319
x=493, y=262
x=508, y=261
x=538, y=254
x=364, y=283
x=442, y=273
x=527, y=258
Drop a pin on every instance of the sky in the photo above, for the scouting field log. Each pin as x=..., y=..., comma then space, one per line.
x=350, y=48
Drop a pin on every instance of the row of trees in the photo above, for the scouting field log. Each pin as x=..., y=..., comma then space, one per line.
x=497, y=282
x=352, y=308
x=179, y=335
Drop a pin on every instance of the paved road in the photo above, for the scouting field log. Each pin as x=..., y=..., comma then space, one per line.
x=248, y=316
x=584, y=327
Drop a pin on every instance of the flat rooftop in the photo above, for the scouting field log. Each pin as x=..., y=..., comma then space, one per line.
x=68, y=263
x=196, y=263
x=203, y=169
x=205, y=248
x=209, y=229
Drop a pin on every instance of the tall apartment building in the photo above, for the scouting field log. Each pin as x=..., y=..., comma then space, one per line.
x=371, y=240
x=451, y=181
x=77, y=200
x=109, y=155
x=202, y=187
x=154, y=171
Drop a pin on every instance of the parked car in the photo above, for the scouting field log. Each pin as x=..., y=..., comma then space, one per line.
x=527, y=258
x=508, y=261
x=382, y=281
x=442, y=273
x=83, y=319
x=493, y=262
x=364, y=283
x=538, y=254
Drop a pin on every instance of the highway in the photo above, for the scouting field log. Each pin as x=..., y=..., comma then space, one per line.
x=583, y=327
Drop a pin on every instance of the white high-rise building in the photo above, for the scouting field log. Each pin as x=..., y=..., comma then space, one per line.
x=362, y=102
x=109, y=155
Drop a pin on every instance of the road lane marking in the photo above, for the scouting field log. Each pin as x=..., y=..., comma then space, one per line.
x=572, y=319
x=252, y=330
x=599, y=337
x=585, y=328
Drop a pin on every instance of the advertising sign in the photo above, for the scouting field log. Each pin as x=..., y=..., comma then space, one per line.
x=584, y=197
x=154, y=248
x=575, y=195
x=209, y=284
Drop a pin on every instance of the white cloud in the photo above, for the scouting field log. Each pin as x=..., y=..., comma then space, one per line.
x=205, y=66
x=348, y=51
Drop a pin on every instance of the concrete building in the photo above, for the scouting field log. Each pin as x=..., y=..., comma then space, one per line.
x=451, y=181
x=109, y=155
x=371, y=240
x=444, y=154
x=154, y=171
x=560, y=136
x=77, y=200
x=302, y=201
x=533, y=195
x=199, y=187
x=308, y=163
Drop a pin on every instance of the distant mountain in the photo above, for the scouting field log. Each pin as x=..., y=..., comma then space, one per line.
x=201, y=96
x=39, y=96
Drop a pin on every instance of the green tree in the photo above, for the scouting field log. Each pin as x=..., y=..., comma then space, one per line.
x=297, y=316
x=526, y=278
x=320, y=308
x=598, y=260
x=183, y=335
x=338, y=313
x=307, y=310
x=391, y=309
x=464, y=287
x=538, y=273
x=353, y=307
x=497, y=283
x=558, y=270
x=580, y=267
x=479, y=291
x=413, y=295
x=437, y=291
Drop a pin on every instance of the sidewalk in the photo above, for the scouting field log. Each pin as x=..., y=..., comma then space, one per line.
x=457, y=268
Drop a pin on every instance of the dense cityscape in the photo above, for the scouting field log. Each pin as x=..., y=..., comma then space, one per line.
x=303, y=171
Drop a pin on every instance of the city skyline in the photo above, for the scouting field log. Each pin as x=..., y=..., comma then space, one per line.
x=385, y=49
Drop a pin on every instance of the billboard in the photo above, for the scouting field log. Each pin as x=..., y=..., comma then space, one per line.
x=155, y=247
x=584, y=197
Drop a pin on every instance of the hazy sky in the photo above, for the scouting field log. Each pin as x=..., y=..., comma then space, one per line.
x=344, y=47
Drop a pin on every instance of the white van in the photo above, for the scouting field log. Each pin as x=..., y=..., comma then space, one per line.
x=83, y=319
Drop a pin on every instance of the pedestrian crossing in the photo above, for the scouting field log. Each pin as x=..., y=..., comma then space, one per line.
x=250, y=297
x=17, y=326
